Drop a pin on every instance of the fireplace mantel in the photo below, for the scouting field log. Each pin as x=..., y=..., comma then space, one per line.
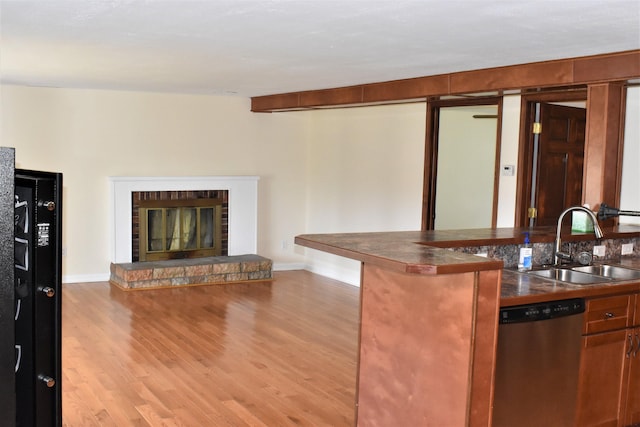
x=243, y=208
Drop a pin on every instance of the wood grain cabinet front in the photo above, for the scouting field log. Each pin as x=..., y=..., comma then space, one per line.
x=609, y=382
x=632, y=407
x=608, y=313
x=601, y=379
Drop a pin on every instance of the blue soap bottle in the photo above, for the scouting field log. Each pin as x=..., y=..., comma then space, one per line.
x=526, y=255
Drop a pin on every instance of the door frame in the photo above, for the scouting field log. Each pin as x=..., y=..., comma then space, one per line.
x=431, y=154
x=525, y=151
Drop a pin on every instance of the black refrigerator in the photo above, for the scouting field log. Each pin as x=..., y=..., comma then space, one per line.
x=35, y=300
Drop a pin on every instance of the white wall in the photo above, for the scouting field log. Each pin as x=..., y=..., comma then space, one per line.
x=466, y=167
x=630, y=188
x=89, y=135
x=508, y=157
x=364, y=173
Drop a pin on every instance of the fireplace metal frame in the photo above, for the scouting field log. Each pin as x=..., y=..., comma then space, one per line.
x=146, y=205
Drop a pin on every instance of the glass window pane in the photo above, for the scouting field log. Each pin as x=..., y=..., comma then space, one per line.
x=206, y=227
x=189, y=228
x=154, y=230
x=173, y=229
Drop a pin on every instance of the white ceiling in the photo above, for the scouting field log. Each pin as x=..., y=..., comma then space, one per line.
x=260, y=47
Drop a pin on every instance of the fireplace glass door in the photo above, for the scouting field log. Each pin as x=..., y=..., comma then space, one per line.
x=180, y=230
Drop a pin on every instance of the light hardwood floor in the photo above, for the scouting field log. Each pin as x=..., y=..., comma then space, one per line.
x=267, y=354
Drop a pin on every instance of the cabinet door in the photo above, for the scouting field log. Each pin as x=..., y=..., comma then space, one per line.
x=632, y=416
x=602, y=379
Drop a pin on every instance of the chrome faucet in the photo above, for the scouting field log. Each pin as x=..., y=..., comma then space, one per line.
x=558, y=255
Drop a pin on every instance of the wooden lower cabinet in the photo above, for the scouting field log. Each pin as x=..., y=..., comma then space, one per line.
x=609, y=382
x=427, y=348
x=632, y=413
x=603, y=370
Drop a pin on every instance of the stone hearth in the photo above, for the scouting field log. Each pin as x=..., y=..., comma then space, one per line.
x=191, y=272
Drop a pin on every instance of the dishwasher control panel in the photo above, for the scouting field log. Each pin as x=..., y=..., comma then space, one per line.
x=541, y=311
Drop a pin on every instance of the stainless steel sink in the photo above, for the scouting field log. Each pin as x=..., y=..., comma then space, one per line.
x=611, y=271
x=569, y=275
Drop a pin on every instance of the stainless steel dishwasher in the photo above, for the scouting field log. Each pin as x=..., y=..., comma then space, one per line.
x=537, y=364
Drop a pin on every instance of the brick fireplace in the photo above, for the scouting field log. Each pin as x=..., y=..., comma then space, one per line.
x=239, y=263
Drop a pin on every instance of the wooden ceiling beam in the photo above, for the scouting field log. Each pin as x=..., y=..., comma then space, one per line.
x=619, y=66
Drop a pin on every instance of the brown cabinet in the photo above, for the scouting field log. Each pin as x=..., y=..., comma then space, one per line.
x=609, y=314
x=632, y=413
x=426, y=364
x=609, y=385
x=602, y=373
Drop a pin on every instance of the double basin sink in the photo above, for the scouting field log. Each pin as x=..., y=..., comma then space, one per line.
x=587, y=275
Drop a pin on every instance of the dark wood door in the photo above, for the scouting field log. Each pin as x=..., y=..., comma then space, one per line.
x=560, y=161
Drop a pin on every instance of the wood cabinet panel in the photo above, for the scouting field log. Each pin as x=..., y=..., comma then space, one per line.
x=609, y=386
x=607, y=314
x=399, y=334
x=602, y=168
x=420, y=362
x=602, y=379
x=486, y=337
x=632, y=407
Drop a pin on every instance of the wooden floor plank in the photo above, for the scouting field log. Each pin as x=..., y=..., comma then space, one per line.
x=267, y=354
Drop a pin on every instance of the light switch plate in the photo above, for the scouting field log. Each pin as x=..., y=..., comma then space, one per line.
x=508, y=170
x=599, y=251
x=627, y=248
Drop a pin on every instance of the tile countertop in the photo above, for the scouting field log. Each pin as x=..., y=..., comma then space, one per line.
x=425, y=252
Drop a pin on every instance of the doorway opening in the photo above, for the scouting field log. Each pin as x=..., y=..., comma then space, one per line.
x=551, y=159
x=462, y=163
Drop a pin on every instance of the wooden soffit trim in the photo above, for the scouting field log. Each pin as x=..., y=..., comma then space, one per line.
x=617, y=66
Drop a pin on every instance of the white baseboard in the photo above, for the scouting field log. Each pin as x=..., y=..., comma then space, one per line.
x=346, y=275
x=279, y=266
x=80, y=278
x=341, y=274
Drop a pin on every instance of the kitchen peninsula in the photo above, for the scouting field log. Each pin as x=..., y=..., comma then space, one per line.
x=429, y=316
